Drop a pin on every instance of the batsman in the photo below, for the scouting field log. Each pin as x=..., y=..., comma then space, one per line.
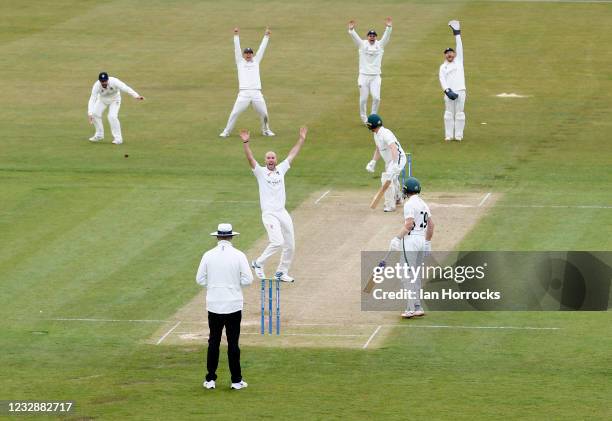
x=389, y=148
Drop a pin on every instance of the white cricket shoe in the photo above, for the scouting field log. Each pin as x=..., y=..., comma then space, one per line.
x=284, y=277
x=268, y=133
x=240, y=385
x=224, y=134
x=117, y=142
x=458, y=139
x=209, y=384
x=386, y=209
x=95, y=139
x=419, y=313
x=448, y=139
x=407, y=314
x=259, y=270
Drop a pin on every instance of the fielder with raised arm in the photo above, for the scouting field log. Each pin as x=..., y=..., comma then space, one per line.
x=249, y=83
x=276, y=219
x=389, y=148
x=452, y=80
x=414, y=241
x=106, y=92
x=370, y=60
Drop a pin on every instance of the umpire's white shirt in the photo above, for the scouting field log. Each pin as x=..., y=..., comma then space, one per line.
x=224, y=270
x=271, y=186
x=111, y=93
x=451, y=74
x=383, y=139
x=248, y=71
x=371, y=55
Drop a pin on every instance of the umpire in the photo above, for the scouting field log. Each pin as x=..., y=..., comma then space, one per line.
x=224, y=270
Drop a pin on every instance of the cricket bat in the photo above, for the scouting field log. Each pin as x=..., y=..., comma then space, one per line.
x=370, y=285
x=379, y=194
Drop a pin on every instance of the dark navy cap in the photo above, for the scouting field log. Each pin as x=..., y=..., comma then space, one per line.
x=372, y=32
x=102, y=77
x=448, y=50
x=248, y=50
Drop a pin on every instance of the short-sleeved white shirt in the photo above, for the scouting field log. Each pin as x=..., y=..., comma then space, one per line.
x=272, y=186
x=417, y=209
x=383, y=139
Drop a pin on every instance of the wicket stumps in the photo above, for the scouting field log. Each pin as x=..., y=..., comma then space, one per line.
x=409, y=166
x=271, y=283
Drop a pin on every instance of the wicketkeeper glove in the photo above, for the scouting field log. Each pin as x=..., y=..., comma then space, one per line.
x=427, y=248
x=454, y=25
x=452, y=95
x=371, y=166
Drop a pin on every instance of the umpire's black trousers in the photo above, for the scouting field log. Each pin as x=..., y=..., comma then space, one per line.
x=231, y=322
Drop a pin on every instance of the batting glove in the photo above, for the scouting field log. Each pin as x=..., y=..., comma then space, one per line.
x=396, y=244
x=371, y=166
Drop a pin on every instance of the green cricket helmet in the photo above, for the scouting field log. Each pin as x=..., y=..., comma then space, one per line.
x=411, y=186
x=374, y=121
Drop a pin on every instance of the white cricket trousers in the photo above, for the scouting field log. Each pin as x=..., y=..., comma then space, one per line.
x=113, y=118
x=454, y=117
x=245, y=98
x=280, y=234
x=368, y=85
x=413, y=254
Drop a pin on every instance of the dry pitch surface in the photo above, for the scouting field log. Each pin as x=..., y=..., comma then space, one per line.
x=323, y=307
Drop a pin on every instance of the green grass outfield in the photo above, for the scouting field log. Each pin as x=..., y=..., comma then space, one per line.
x=87, y=233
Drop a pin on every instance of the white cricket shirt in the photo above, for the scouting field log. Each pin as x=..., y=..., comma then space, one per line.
x=371, y=55
x=271, y=186
x=451, y=74
x=224, y=270
x=111, y=93
x=248, y=71
x=416, y=208
x=383, y=139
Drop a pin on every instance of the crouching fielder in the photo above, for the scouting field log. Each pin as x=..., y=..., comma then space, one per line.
x=392, y=153
x=106, y=92
x=452, y=80
x=414, y=241
x=249, y=83
x=276, y=219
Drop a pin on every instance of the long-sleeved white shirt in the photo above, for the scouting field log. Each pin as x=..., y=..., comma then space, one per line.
x=451, y=74
x=371, y=55
x=224, y=270
x=248, y=71
x=111, y=93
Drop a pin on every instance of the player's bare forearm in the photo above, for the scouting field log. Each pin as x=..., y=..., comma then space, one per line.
x=376, y=155
x=245, y=136
x=430, y=230
x=296, y=148
x=408, y=226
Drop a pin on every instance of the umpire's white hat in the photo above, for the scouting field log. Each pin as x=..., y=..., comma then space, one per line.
x=224, y=230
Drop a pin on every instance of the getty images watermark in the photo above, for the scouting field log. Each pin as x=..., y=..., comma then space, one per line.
x=486, y=280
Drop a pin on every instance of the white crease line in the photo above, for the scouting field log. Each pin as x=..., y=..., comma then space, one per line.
x=314, y=324
x=307, y=334
x=322, y=196
x=168, y=332
x=459, y=205
x=68, y=319
x=219, y=201
x=371, y=337
x=484, y=199
x=479, y=327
